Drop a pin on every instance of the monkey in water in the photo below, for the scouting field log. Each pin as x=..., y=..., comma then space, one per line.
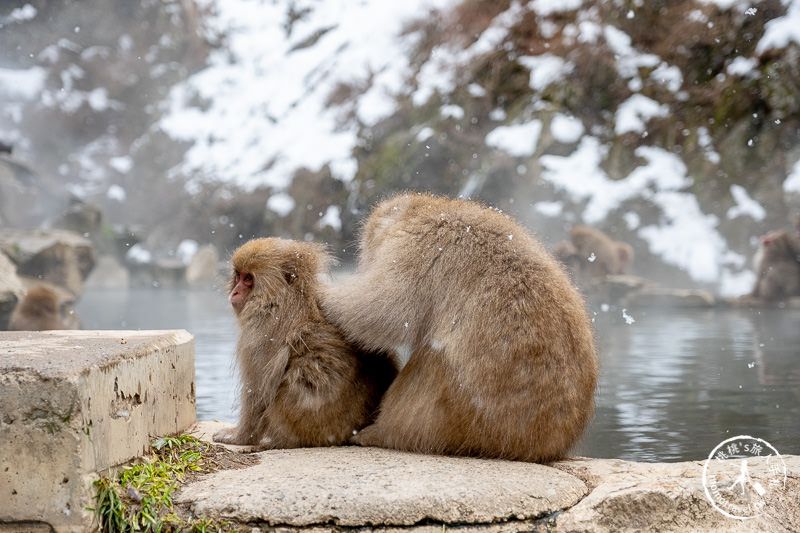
x=496, y=349
x=624, y=257
x=599, y=255
x=566, y=254
x=777, y=265
x=302, y=383
x=37, y=311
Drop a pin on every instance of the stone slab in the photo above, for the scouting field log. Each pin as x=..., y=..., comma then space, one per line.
x=74, y=403
x=353, y=486
x=322, y=490
x=631, y=497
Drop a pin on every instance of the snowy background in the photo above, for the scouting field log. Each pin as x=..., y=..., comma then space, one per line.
x=261, y=106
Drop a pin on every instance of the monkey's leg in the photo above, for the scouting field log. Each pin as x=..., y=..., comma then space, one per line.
x=248, y=430
x=420, y=412
x=240, y=434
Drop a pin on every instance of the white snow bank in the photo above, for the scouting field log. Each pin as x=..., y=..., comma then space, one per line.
x=792, y=182
x=22, y=14
x=745, y=205
x=566, y=129
x=518, y=140
x=331, y=218
x=684, y=236
x=23, y=84
x=545, y=70
x=281, y=203
x=743, y=66
x=727, y=4
x=630, y=62
x=549, y=7
x=138, y=254
x=438, y=74
x=117, y=193
x=634, y=113
x=186, y=249
x=259, y=111
x=782, y=31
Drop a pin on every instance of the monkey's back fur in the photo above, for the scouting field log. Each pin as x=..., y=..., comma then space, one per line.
x=302, y=383
x=502, y=357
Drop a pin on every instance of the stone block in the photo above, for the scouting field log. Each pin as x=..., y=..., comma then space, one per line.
x=60, y=257
x=76, y=403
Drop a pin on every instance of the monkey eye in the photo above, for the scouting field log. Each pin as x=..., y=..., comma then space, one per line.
x=244, y=277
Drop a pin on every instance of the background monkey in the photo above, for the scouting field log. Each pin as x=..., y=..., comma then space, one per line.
x=567, y=255
x=598, y=254
x=37, y=311
x=302, y=383
x=498, y=351
x=624, y=257
x=777, y=263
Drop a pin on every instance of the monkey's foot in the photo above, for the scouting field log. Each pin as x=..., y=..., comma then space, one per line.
x=369, y=436
x=229, y=436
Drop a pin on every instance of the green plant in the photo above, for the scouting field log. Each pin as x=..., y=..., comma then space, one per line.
x=110, y=510
x=139, y=496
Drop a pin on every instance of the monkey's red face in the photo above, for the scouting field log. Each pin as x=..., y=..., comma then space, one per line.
x=242, y=284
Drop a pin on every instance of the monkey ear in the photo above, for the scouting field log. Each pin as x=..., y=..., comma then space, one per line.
x=289, y=270
x=302, y=264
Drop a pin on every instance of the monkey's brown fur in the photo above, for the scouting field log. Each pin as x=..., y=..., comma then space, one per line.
x=624, y=257
x=501, y=356
x=598, y=254
x=37, y=311
x=302, y=383
x=567, y=255
x=777, y=266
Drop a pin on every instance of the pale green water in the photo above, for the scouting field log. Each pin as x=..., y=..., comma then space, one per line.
x=673, y=384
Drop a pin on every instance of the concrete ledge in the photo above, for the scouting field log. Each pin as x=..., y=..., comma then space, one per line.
x=74, y=403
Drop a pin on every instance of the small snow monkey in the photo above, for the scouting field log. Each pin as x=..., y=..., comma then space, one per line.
x=302, y=383
x=498, y=350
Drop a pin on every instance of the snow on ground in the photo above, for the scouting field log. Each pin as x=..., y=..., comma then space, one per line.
x=630, y=62
x=16, y=87
x=783, y=30
x=259, y=112
x=792, y=183
x=566, y=129
x=518, y=140
x=745, y=205
x=634, y=113
x=685, y=236
x=22, y=84
x=332, y=217
x=439, y=73
x=262, y=101
x=186, y=249
x=545, y=69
